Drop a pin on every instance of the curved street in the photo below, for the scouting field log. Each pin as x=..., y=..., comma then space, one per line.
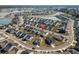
x=64, y=46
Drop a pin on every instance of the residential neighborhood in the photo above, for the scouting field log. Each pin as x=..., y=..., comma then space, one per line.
x=39, y=30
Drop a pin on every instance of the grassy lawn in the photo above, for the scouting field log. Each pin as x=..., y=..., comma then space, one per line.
x=57, y=43
x=37, y=37
x=44, y=45
x=31, y=42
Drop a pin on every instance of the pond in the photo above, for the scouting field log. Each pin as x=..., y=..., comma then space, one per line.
x=5, y=21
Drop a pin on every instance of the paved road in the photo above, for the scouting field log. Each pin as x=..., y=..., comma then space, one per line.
x=60, y=47
x=66, y=44
x=18, y=41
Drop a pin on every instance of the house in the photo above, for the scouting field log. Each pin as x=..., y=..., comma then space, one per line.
x=36, y=42
x=49, y=41
x=8, y=46
x=63, y=27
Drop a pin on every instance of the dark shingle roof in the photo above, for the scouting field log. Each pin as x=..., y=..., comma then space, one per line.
x=36, y=42
x=49, y=41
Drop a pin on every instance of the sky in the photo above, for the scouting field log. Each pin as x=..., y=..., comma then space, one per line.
x=39, y=2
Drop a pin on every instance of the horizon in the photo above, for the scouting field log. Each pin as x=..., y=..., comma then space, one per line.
x=39, y=6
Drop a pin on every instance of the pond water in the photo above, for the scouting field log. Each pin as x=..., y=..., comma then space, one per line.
x=5, y=21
